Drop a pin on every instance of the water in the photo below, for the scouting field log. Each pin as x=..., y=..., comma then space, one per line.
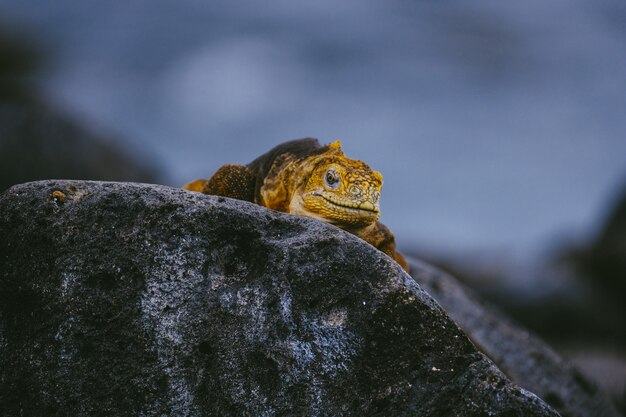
x=497, y=125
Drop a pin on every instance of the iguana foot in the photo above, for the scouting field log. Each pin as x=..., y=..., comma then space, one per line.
x=379, y=236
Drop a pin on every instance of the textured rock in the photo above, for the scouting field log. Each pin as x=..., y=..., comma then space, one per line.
x=128, y=299
x=523, y=357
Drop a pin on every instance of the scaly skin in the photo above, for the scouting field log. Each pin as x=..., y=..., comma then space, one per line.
x=302, y=177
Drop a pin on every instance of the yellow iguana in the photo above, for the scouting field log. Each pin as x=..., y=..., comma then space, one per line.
x=303, y=177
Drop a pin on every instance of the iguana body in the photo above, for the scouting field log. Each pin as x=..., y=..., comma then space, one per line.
x=302, y=177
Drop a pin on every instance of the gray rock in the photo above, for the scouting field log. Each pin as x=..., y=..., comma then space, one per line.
x=130, y=299
x=523, y=357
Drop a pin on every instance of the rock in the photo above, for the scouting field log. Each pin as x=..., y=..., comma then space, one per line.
x=37, y=141
x=130, y=299
x=602, y=263
x=523, y=357
x=19, y=60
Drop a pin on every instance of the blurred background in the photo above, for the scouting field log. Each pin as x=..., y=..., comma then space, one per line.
x=499, y=126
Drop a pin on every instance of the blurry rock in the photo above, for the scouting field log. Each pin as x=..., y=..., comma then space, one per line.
x=605, y=365
x=521, y=356
x=38, y=142
x=18, y=60
x=128, y=299
x=603, y=262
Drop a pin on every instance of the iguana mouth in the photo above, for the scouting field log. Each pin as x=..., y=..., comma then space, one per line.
x=361, y=206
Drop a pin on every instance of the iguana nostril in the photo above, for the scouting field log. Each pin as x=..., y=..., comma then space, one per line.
x=354, y=190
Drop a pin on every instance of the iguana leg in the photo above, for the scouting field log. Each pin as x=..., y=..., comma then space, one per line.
x=197, y=185
x=234, y=181
x=379, y=236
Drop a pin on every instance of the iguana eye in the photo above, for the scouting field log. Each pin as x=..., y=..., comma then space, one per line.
x=331, y=179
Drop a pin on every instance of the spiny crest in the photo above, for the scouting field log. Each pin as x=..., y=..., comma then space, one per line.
x=352, y=169
x=335, y=148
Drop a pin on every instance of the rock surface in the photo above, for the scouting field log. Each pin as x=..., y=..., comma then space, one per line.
x=524, y=358
x=129, y=299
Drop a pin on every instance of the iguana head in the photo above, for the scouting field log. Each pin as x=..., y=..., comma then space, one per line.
x=342, y=191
